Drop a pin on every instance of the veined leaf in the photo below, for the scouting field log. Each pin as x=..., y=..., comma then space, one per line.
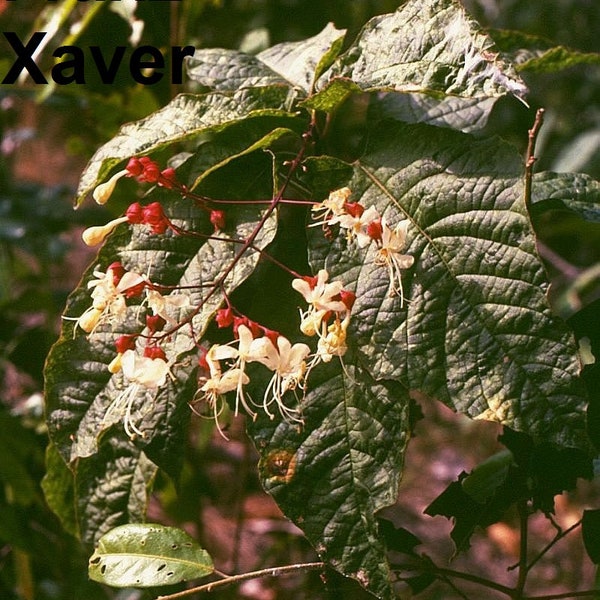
x=451, y=77
x=147, y=555
x=344, y=464
x=290, y=64
x=186, y=117
x=575, y=191
x=475, y=331
x=535, y=54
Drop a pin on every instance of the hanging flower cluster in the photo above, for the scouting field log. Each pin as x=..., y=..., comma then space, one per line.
x=365, y=226
x=141, y=359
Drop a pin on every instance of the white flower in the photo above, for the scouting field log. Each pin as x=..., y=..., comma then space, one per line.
x=288, y=363
x=142, y=374
x=390, y=255
x=219, y=384
x=248, y=350
x=356, y=225
x=108, y=299
x=330, y=208
x=333, y=342
x=320, y=294
x=165, y=306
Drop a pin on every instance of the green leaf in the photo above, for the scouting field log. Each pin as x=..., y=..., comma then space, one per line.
x=483, y=481
x=185, y=118
x=148, y=555
x=291, y=64
x=451, y=77
x=468, y=513
x=58, y=489
x=344, y=464
x=302, y=63
x=224, y=70
x=575, y=191
x=475, y=331
x=534, y=54
x=80, y=389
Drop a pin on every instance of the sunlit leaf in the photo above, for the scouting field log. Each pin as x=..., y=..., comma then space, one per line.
x=147, y=555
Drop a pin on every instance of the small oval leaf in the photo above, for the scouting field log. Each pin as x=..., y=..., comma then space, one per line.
x=147, y=555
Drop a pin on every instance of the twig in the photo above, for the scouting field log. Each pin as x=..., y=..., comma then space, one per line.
x=559, y=536
x=233, y=579
x=530, y=155
x=523, y=570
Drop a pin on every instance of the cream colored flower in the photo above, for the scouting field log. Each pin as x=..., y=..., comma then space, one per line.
x=390, y=255
x=104, y=191
x=142, y=376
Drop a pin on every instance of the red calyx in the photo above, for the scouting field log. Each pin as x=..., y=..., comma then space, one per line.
x=348, y=298
x=124, y=343
x=375, y=230
x=155, y=323
x=354, y=209
x=118, y=270
x=217, y=218
x=154, y=352
x=154, y=216
x=224, y=317
x=134, y=213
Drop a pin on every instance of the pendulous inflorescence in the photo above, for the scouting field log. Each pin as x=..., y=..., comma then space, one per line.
x=142, y=359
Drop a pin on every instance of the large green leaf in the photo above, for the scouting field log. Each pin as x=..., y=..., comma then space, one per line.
x=333, y=474
x=437, y=64
x=291, y=64
x=476, y=331
x=185, y=118
x=80, y=389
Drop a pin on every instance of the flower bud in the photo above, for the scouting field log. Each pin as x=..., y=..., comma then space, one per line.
x=89, y=319
x=104, y=191
x=93, y=236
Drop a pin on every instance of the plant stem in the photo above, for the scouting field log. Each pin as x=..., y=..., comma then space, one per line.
x=474, y=579
x=233, y=579
x=530, y=155
x=523, y=570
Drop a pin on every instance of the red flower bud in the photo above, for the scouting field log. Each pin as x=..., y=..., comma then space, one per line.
x=134, y=167
x=154, y=216
x=155, y=323
x=134, y=213
x=168, y=178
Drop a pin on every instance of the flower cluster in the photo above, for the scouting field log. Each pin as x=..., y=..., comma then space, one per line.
x=253, y=344
x=327, y=317
x=152, y=216
x=144, y=169
x=365, y=226
x=141, y=358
